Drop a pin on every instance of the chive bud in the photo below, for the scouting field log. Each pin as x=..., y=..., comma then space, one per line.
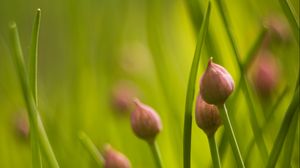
x=207, y=116
x=216, y=84
x=266, y=74
x=122, y=94
x=145, y=122
x=114, y=159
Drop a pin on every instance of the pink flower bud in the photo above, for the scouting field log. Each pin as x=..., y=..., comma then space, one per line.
x=122, y=94
x=207, y=116
x=145, y=122
x=216, y=84
x=114, y=159
x=266, y=74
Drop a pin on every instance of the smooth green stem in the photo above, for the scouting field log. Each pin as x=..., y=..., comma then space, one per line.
x=156, y=154
x=290, y=143
x=91, y=148
x=230, y=132
x=33, y=114
x=291, y=15
x=33, y=56
x=253, y=119
x=214, y=151
x=281, y=136
x=190, y=94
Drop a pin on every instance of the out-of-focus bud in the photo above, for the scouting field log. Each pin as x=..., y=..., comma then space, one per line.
x=114, y=159
x=278, y=29
x=207, y=116
x=216, y=84
x=145, y=122
x=21, y=125
x=122, y=95
x=265, y=74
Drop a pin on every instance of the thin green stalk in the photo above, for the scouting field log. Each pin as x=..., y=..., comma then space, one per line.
x=291, y=15
x=250, y=56
x=281, y=136
x=270, y=114
x=253, y=119
x=36, y=155
x=156, y=154
x=91, y=148
x=214, y=151
x=34, y=118
x=230, y=132
x=33, y=57
x=191, y=91
x=290, y=143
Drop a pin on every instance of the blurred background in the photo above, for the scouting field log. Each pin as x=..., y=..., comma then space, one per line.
x=96, y=55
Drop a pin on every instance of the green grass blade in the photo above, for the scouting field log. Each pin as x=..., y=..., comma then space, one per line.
x=290, y=142
x=33, y=57
x=36, y=156
x=34, y=118
x=191, y=90
x=254, y=48
x=91, y=148
x=281, y=136
x=291, y=15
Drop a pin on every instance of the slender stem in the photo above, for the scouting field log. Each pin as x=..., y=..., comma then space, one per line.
x=156, y=154
x=33, y=114
x=253, y=119
x=214, y=151
x=281, y=136
x=290, y=143
x=190, y=94
x=290, y=13
x=36, y=155
x=233, y=141
x=33, y=57
x=91, y=148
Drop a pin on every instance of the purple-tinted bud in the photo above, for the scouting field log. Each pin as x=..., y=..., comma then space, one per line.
x=145, y=122
x=122, y=95
x=114, y=159
x=216, y=84
x=207, y=116
x=266, y=74
x=21, y=125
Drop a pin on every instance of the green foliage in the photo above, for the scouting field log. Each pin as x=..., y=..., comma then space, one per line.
x=85, y=50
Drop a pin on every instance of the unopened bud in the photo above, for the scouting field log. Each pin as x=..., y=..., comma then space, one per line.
x=122, y=95
x=114, y=159
x=207, y=116
x=216, y=84
x=266, y=74
x=145, y=122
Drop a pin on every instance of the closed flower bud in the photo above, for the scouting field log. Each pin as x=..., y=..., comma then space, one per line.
x=216, y=84
x=266, y=74
x=207, y=116
x=114, y=159
x=145, y=122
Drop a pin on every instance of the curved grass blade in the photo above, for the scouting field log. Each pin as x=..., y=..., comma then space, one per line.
x=289, y=144
x=191, y=90
x=35, y=120
x=281, y=136
x=91, y=148
x=290, y=13
x=36, y=155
